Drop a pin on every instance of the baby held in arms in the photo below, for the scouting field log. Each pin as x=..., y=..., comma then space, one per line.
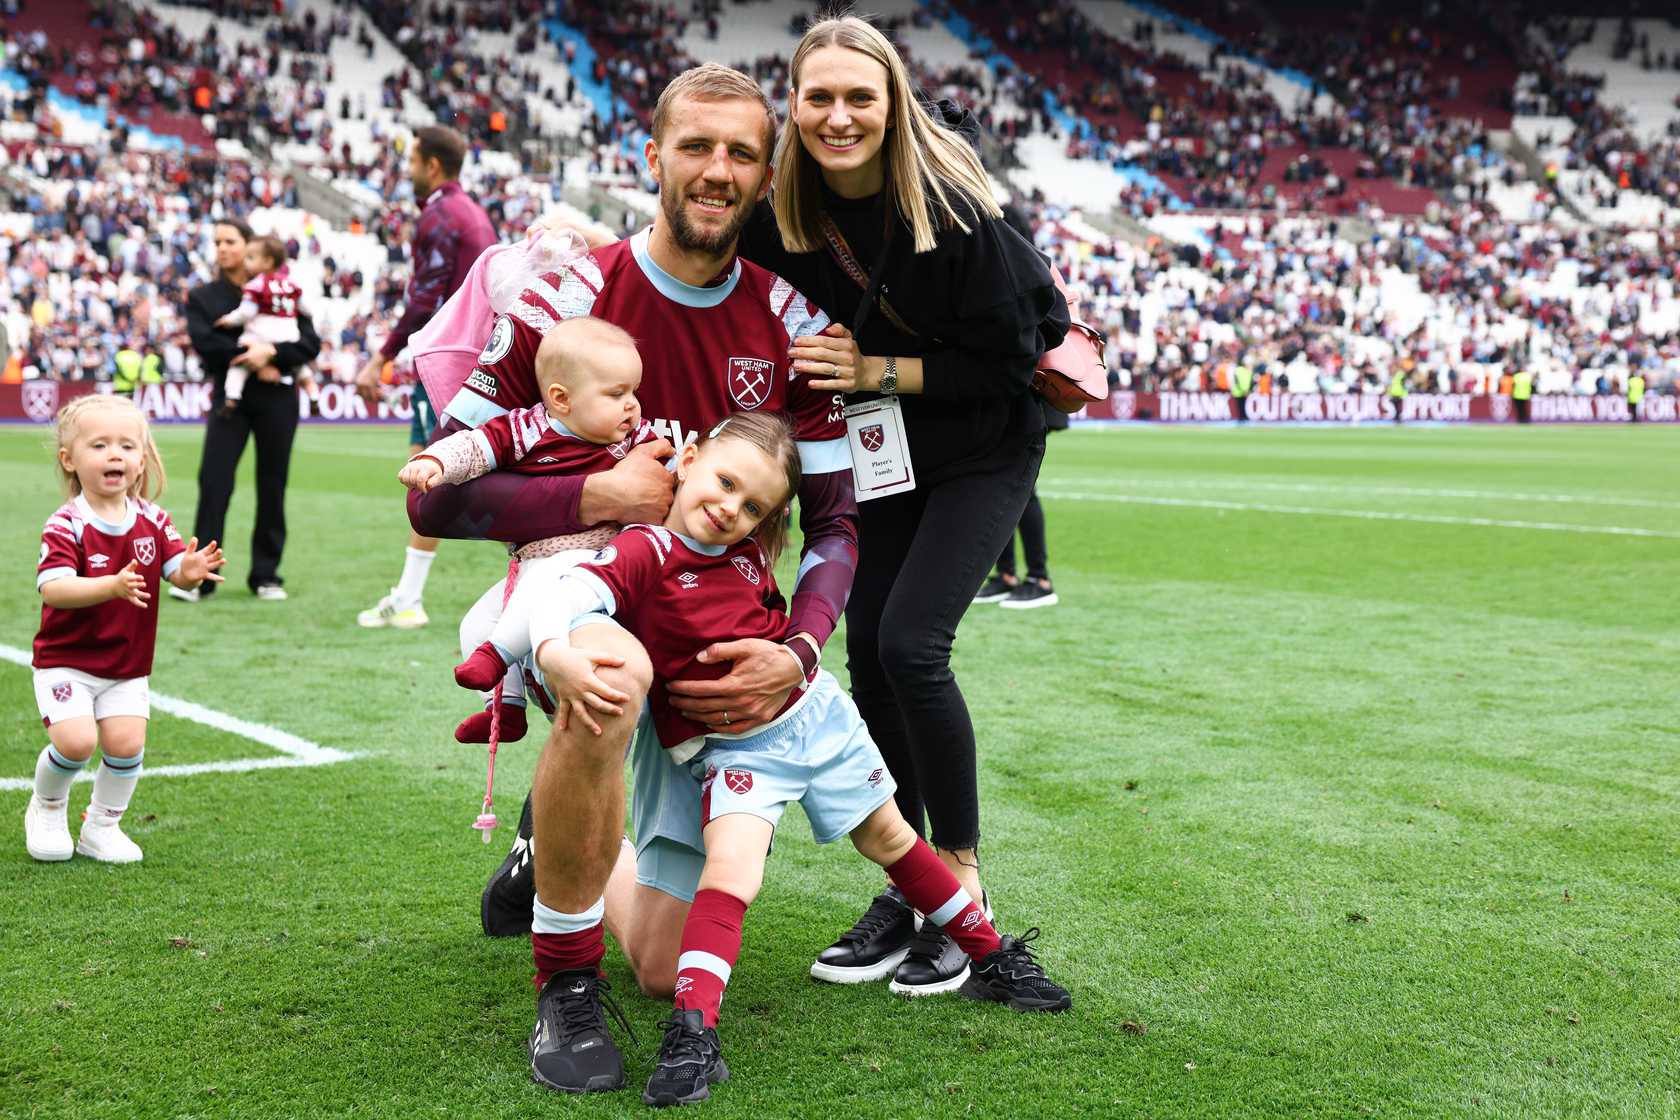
x=588, y=419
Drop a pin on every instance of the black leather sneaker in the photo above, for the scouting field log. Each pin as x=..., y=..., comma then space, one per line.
x=873, y=948
x=1010, y=975
x=932, y=966
x=571, y=1048
x=505, y=906
x=690, y=1062
x=994, y=590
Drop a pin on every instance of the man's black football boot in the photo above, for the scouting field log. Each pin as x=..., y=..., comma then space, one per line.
x=571, y=1048
x=505, y=905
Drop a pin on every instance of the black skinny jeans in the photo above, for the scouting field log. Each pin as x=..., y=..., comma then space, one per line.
x=921, y=557
x=268, y=412
x=1033, y=548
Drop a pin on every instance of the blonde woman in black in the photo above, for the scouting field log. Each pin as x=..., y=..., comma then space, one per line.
x=884, y=216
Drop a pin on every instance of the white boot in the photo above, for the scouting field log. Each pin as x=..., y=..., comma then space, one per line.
x=107, y=843
x=46, y=832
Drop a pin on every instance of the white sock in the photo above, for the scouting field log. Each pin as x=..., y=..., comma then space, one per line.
x=545, y=920
x=53, y=775
x=113, y=788
x=512, y=635
x=416, y=567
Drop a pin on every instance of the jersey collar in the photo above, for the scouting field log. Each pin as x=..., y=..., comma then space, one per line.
x=703, y=549
x=100, y=523
x=447, y=187
x=676, y=290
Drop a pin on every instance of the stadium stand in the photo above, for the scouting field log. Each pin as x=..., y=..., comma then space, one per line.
x=1323, y=192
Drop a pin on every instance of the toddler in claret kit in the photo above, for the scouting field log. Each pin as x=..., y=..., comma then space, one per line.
x=103, y=554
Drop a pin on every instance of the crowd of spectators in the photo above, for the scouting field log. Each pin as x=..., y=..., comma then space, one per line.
x=1605, y=136
x=1454, y=306
x=113, y=237
x=1210, y=127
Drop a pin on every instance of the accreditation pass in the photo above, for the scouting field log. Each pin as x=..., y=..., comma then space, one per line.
x=880, y=452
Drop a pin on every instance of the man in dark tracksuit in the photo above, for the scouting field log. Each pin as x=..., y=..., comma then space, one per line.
x=268, y=411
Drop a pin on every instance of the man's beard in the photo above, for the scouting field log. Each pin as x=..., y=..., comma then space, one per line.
x=690, y=239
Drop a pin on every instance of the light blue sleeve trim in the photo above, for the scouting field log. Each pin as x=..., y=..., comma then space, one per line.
x=51, y=574
x=472, y=410
x=173, y=564
x=599, y=595
x=824, y=456
x=810, y=561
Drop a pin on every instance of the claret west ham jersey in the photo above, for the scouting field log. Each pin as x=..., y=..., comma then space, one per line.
x=677, y=597
x=113, y=639
x=706, y=352
x=530, y=441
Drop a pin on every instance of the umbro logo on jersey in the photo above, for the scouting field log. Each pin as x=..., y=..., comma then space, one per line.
x=875, y=776
x=98, y=560
x=689, y=580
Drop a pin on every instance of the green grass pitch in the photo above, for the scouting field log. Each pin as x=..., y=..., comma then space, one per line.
x=1342, y=783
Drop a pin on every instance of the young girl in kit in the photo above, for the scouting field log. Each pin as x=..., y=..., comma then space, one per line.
x=103, y=554
x=704, y=576
x=588, y=419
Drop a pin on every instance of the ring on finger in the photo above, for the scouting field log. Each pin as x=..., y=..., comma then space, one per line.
x=726, y=717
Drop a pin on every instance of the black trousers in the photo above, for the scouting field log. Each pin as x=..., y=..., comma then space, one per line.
x=1033, y=548
x=921, y=557
x=269, y=413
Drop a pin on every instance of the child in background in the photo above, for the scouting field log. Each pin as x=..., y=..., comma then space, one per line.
x=588, y=419
x=102, y=555
x=704, y=576
x=269, y=306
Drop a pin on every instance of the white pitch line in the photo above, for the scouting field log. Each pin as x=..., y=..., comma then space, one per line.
x=1359, y=488
x=1361, y=514
x=294, y=751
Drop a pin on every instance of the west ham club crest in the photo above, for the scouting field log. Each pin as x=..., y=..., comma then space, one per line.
x=749, y=381
x=738, y=781
x=61, y=692
x=872, y=436
x=745, y=567
x=145, y=550
x=40, y=400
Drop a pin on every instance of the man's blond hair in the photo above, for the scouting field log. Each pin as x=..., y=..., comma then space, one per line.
x=711, y=82
x=563, y=355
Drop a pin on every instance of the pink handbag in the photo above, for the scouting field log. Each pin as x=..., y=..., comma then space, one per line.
x=1073, y=374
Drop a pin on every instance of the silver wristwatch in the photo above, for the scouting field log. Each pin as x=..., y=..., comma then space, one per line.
x=889, y=379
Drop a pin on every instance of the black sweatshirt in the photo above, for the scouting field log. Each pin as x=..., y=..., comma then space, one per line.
x=983, y=307
x=218, y=346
